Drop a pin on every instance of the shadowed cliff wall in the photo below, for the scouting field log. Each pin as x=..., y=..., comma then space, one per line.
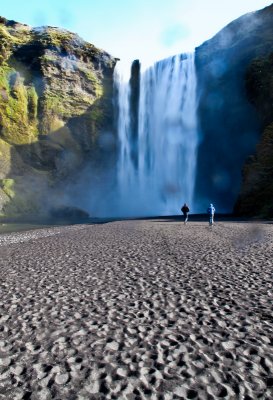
x=229, y=124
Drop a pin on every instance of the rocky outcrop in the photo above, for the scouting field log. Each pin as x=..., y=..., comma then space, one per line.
x=256, y=196
x=55, y=102
x=229, y=123
x=134, y=109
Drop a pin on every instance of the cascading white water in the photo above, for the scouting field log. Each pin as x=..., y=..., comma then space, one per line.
x=127, y=175
x=167, y=139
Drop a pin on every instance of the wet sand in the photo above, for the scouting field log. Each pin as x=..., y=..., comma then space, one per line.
x=137, y=310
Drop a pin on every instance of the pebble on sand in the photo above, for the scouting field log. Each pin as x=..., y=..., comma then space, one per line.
x=5, y=362
x=62, y=379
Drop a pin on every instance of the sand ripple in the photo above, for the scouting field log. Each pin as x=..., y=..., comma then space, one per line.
x=137, y=310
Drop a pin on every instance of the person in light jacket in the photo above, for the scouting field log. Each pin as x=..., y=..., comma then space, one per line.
x=211, y=212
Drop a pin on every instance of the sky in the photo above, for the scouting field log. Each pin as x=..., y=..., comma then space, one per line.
x=148, y=30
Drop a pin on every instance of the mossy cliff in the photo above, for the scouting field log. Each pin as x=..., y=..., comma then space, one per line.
x=235, y=107
x=55, y=101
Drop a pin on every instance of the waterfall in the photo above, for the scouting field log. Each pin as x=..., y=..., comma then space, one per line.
x=157, y=163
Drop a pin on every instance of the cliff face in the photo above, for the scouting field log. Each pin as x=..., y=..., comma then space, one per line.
x=256, y=196
x=229, y=123
x=56, y=119
x=55, y=103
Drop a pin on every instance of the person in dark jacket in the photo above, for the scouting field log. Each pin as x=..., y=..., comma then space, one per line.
x=211, y=212
x=185, y=210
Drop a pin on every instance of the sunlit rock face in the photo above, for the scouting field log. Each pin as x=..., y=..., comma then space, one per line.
x=55, y=109
x=230, y=126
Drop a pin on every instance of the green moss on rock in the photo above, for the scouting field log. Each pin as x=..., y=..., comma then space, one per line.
x=55, y=98
x=5, y=158
x=7, y=185
x=21, y=200
x=93, y=78
x=10, y=36
x=16, y=125
x=32, y=103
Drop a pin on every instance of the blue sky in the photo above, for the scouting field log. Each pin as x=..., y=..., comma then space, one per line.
x=128, y=29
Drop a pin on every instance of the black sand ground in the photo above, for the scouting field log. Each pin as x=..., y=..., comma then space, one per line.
x=137, y=310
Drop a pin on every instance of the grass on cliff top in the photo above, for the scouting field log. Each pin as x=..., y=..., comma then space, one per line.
x=20, y=35
x=63, y=38
x=49, y=36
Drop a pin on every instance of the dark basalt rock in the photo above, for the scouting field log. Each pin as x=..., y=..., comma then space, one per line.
x=134, y=107
x=229, y=123
x=68, y=213
x=256, y=196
